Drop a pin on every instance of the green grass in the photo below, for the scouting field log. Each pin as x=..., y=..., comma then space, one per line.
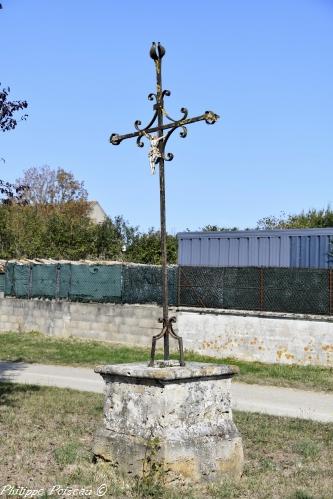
x=47, y=434
x=34, y=347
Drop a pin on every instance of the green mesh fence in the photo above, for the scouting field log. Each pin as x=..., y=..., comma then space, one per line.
x=195, y=287
x=9, y=279
x=18, y=281
x=306, y=291
x=64, y=276
x=243, y=288
x=64, y=281
x=44, y=281
x=100, y=283
x=143, y=284
x=85, y=282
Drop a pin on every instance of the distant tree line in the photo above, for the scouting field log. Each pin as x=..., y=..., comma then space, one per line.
x=51, y=219
x=311, y=218
x=65, y=231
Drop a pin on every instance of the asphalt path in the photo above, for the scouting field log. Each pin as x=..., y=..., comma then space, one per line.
x=315, y=406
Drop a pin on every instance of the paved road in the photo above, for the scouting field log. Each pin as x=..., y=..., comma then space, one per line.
x=316, y=406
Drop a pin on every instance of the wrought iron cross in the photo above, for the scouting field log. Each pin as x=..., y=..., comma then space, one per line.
x=157, y=155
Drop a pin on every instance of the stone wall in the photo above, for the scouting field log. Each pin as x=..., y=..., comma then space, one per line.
x=258, y=336
x=129, y=324
x=261, y=336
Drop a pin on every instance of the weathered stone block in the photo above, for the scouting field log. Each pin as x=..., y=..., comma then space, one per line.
x=185, y=412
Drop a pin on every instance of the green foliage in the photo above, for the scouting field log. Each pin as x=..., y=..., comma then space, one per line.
x=113, y=237
x=108, y=240
x=62, y=231
x=306, y=219
x=146, y=248
x=152, y=481
x=65, y=231
x=46, y=231
x=217, y=228
x=8, y=109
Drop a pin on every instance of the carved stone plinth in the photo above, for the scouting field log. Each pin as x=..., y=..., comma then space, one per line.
x=179, y=417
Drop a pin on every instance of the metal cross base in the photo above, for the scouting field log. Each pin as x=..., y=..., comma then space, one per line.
x=167, y=331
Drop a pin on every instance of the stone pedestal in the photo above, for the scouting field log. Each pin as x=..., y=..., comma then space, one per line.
x=178, y=418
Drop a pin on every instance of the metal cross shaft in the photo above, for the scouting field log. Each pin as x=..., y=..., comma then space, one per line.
x=157, y=155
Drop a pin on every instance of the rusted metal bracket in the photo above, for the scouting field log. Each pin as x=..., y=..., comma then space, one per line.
x=167, y=330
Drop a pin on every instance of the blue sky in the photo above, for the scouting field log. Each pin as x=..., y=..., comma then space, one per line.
x=264, y=66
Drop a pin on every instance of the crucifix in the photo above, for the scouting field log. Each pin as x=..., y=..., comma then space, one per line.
x=158, y=137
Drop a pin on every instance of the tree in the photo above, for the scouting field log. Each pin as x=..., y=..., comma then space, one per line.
x=9, y=191
x=8, y=109
x=8, y=122
x=306, y=219
x=12, y=193
x=216, y=228
x=113, y=237
x=47, y=231
x=61, y=231
x=47, y=186
x=70, y=233
x=146, y=248
x=68, y=188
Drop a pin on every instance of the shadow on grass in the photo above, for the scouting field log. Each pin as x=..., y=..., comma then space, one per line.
x=8, y=388
x=9, y=393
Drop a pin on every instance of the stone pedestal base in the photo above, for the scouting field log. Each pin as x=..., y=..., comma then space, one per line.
x=177, y=418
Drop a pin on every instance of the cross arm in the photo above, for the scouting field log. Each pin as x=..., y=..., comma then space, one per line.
x=209, y=117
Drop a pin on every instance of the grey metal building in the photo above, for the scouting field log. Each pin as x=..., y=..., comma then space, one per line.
x=303, y=248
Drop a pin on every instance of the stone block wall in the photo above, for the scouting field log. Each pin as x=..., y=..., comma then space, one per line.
x=263, y=336
x=128, y=324
x=254, y=336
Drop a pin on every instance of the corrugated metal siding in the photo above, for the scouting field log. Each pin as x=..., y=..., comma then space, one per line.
x=310, y=251
x=303, y=248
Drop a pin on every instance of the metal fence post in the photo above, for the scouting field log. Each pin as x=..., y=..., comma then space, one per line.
x=70, y=283
x=178, y=285
x=30, y=281
x=261, y=290
x=330, y=291
x=57, y=290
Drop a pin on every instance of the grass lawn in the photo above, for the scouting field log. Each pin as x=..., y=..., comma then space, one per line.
x=46, y=439
x=34, y=347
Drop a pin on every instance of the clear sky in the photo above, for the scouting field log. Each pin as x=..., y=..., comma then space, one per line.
x=266, y=66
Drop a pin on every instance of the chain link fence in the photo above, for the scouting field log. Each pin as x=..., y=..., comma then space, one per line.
x=307, y=291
